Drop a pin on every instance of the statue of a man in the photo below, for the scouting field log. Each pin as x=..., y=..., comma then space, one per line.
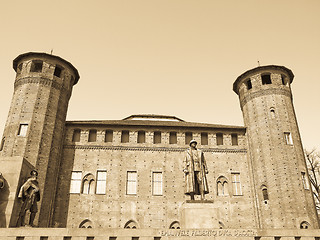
x=30, y=194
x=195, y=169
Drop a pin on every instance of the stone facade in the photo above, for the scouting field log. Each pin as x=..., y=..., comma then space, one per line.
x=129, y=173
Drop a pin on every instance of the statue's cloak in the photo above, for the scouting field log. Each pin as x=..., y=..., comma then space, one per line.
x=191, y=185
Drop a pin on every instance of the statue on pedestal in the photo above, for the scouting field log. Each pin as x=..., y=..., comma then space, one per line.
x=195, y=170
x=30, y=194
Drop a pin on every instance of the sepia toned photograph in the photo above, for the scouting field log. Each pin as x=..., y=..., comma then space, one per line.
x=160, y=120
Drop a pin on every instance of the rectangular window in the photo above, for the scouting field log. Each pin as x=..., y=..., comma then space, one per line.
x=234, y=139
x=288, y=138
x=188, y=137
x=249, y=84
x=141, y=137
x=125, y=136
x=101, y=182
x=43, y=238
x=266, y=79
x=76, y=135
x=131, y=182
x=219, y=137
x=173, y=138
x=236, y=184
x=108, y=136
x=57, y=71
x=156, y=137
x=23, y=128
x=204, y=138
x=36, y=66
x=92, y=136
x=304, y=180
x=75, y=182
x=157, y=183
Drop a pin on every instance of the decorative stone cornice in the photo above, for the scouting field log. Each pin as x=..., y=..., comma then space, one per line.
x=150, y=149
x=271, y=91
x=40, y=80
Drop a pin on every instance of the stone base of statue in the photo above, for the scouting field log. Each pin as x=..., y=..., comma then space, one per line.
x=199, y=214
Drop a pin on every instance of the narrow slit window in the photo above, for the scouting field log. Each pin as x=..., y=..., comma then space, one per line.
x=101, y=182
x=75, y=185
x=157, y=183
x=57, y=71
x=108, y=136
x=173, y=138
x=188, y=137
x=266, y=79
x=131, y=182
x=219, y=137
x=249, y=84
x=288, y=138
x=304, y=180
x=204, y=138
x=36, y=66
x=283, y=80
x=156, y=137
x=23, y=128
x=234, y=139
x=76, y=135
x=125, y=136
x=141, y=137
x=265, y=195
x=92, y=135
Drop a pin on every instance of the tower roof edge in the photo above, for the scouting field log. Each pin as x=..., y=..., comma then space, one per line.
x=40, y=54
x=261, y=68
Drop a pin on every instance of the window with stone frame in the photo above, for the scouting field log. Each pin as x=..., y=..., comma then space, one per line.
x=101, y=182
x=125, y=136
x=222, y=186
x=173, y=138
x=131, y=183
x=75, y=185
x=288, y=138
x=141, y=137
x=157, y=137
x=236, y=184
x=92, y=135
x=23, y=128
x=188, y=137
x=108, y=136
x=204, y=138
x=219, y=138
x=88, y=184
x=157, y=183
x=76, y=135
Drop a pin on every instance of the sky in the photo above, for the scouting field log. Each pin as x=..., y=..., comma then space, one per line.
x=170, y=57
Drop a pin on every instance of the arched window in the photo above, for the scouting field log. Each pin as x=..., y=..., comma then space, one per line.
x=175, y=225
x=304, y=225
x=88, y=184
x=131, y=224
x=86, y=224
x=222, y=186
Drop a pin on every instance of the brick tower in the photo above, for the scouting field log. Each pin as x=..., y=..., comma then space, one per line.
x=283, y=193
x=36, y=121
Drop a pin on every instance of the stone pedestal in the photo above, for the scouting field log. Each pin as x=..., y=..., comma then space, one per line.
x=15, y=170
x=199, y=214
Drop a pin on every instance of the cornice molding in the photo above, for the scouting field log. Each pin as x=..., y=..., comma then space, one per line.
x=263, y=92
x=151, y=149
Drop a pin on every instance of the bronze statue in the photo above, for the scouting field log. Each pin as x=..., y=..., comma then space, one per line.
x=195, y=169
x=30, y=195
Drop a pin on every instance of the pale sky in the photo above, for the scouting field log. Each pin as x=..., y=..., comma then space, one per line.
x=172, y=57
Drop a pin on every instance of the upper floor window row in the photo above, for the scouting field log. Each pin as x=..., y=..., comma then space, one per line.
x=265, y=80
x=157, y=137
x=37, y=66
